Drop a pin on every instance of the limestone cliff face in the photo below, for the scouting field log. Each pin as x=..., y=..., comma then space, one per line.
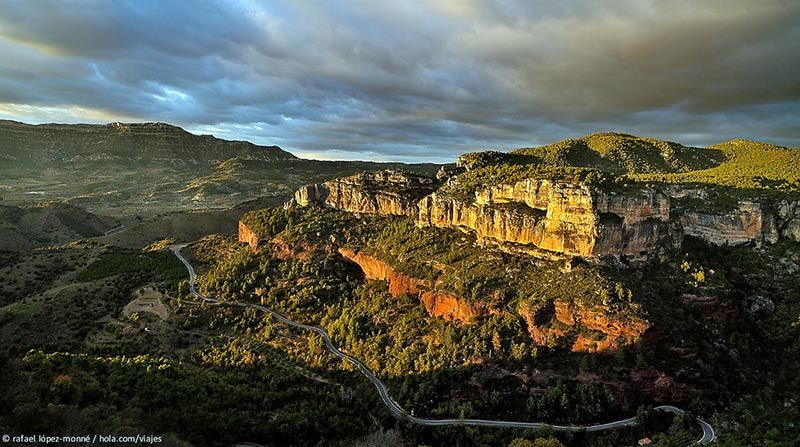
x=437, y=302
x=311, y=194
x=247, y=236
x=557, y=220
x=749, y=223
x=788, y=220
x=384, y=192
x=562, y=218
x=500, y=222
x=448, y=306
x=376, y=269
x=585, y=329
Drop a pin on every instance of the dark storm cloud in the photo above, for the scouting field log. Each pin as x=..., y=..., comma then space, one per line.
x=410, y=80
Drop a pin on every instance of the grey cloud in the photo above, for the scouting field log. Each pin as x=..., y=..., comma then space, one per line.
x=415, y=79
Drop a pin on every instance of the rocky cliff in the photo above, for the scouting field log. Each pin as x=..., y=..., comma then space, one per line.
x=248, y=236
x=438, y=303
x=583, y=328
x=586, y=329
x=787, y=219
x=559, y=219
x=383, y=192
x=564, y=218
x=748, y=223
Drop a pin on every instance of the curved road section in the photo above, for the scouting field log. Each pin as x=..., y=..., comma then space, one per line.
x=399, y=412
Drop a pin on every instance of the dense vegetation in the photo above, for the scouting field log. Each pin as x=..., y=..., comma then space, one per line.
x=153, y=264
x=745, y=165
x=250, y=369
x=231, y=394
x=395, y=335
x=622, y=153
x=82, y=351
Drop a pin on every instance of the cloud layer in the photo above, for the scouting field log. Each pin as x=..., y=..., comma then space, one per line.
x=410, y=80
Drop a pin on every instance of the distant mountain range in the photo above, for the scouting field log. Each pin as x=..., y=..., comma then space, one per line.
x=138, y=142
x=148, y=168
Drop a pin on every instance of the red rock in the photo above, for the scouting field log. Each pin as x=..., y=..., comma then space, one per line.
x=437, y=302
x=610, y=330
x=247, y=236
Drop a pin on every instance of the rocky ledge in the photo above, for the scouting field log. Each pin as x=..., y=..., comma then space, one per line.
x=583, y=328
x=557, y=220
x=439, y=303
x=383, y=192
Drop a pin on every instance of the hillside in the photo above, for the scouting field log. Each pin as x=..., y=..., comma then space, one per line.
x=639, y=271
x=577, y=283
x=22, y=228
x=623, y=153
x=613, y=160
x=135, y=142
x=745, y=164
x=151, y=168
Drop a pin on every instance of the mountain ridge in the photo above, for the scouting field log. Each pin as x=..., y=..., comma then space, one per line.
x=147, y=141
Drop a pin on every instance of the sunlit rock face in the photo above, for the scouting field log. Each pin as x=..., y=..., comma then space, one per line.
x=563, y=218
x=247, y=236
x=787, y=220
x=386, y=193
x=437, y=302
x=584, y=328
x=557, y=220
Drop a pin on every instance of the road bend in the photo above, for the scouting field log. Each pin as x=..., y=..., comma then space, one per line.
x=708, y=431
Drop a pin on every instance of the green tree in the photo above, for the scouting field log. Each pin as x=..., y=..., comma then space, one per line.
x=538, y=442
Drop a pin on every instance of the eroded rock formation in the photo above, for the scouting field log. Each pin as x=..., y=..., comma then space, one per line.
x=383, y=192
x=438, y=303
x=584, y=328
x=562, y=218
x=748, y=223
x=557, y=220
x=248, y=236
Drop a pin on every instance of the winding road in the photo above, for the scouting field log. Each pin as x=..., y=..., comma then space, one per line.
x=399, y=412
x=116, y=229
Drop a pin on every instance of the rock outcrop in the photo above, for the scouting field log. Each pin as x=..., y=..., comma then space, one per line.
x=448, y=306
x=377, y=269
x=748, y=223
x=438, y=303
x=248, y=236
x=585, y=329
x=787, y=220
x=383, y=192
x=561, y=218
x=558, y=219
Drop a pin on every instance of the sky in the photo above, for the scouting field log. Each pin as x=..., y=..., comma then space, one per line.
x=409, y=80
